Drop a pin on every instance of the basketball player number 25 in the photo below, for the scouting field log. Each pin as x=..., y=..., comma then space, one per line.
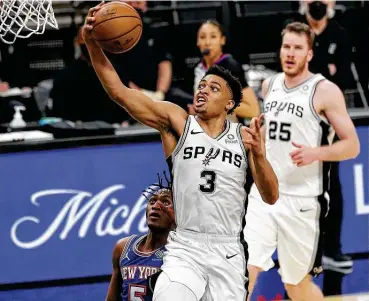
x=279, y=130
x=210, y=177
x=137, y=293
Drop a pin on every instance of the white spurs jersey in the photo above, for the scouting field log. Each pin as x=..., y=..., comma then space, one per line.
x=290, y=116
x=209, y=177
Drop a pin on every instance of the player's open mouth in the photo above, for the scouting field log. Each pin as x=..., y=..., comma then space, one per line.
x=200, y=101
x=199, y=104
x=154, y=215
x=290, y=63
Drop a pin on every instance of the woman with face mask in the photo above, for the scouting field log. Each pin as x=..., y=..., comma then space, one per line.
x=210, y=41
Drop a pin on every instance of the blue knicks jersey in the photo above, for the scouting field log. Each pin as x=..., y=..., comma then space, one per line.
x=136, y=267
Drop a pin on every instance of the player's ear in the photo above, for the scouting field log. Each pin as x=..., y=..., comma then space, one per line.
x=310, y=55
x=230, y=104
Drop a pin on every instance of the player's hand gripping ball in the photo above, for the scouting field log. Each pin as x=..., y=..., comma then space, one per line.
x=116, y=26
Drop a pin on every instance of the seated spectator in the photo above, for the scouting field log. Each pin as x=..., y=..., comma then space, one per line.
x=78, y=95
x=210, y=40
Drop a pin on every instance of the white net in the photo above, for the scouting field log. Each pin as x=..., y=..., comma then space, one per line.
x=22, y=18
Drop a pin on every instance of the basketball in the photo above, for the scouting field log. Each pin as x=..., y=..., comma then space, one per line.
x=118, y=27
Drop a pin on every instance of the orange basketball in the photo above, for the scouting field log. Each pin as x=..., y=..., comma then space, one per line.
x=118, y=27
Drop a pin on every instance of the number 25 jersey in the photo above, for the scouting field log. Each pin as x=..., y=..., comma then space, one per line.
x=209, y=177
x=290, y=116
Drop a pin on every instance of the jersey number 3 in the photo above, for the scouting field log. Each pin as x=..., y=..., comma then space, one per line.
x=280, y=131
x=210, y=177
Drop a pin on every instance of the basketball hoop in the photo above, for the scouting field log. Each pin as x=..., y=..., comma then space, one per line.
x=22, y=18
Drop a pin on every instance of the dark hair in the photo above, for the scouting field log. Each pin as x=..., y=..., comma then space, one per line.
x=159, y=187
x=300, y=28
x=233, y=83
x=216, y=24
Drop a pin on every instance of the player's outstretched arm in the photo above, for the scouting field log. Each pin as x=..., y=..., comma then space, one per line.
x=262, y=172
x=156, y=114
x=115, y=286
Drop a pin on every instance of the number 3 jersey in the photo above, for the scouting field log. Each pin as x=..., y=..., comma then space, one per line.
x=290, y=116
x=136, y=267
x=209, y=177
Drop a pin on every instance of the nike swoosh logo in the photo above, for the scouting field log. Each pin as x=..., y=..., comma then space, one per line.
x=194, y=133
x=304, y=210
x=229, y=257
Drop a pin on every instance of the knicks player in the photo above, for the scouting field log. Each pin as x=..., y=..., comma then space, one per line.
x=135, y=258
x=208, y=157
x=300, y=107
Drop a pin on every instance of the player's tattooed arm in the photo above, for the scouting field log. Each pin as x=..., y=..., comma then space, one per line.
x=155, y=114
x=262, y=172
x=115, y=286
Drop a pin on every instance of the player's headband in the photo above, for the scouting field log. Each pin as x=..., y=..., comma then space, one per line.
x=159, y=188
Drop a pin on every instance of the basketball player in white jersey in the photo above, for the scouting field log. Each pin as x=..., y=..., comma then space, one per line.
x=208, y=157
x=300, y=107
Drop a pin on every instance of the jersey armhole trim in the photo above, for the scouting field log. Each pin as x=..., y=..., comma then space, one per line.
x=241, y=143
x=126, y=248
x=311, y=104
x=270, y=86
x=182, y=139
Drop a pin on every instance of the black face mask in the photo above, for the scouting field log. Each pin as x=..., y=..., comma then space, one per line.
x=317, y=10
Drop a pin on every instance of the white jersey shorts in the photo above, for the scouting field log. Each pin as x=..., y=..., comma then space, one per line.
x=213, y=267
x=294, y=226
